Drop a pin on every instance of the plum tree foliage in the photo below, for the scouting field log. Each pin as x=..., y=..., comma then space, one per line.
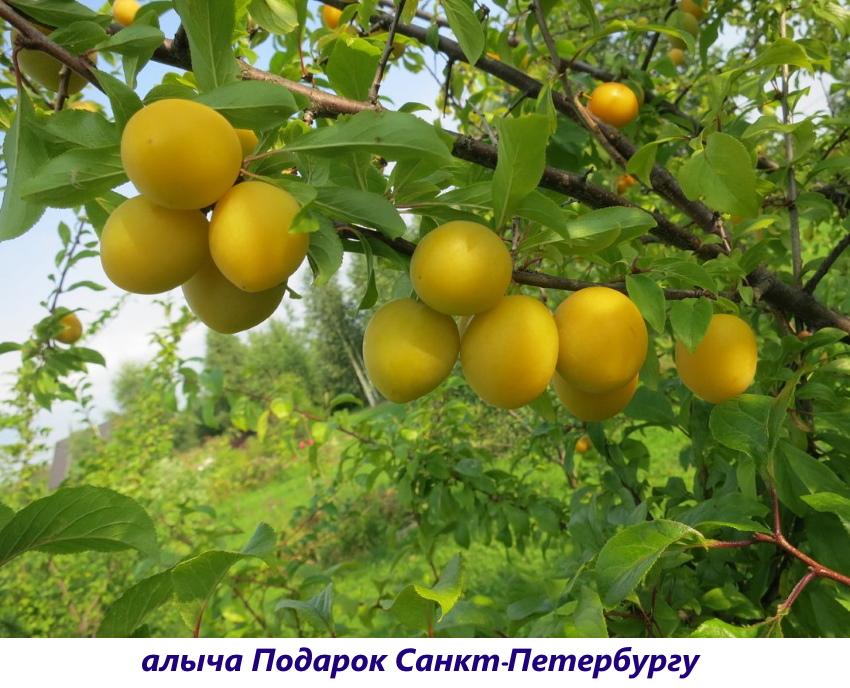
x=619, y=218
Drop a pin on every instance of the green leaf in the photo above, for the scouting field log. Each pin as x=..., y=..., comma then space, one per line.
x=627, y=557
x=723, y=173
x=75, y=177
x=325, y=253
x=742, y=423
x=275, y=16
x=351, y=67
x=251, y=104
x=649, y=298
x=82, y=129
x=370, y=295
x=79, y=37
x=588, y=618
x=23, y=153
x=394, y=135
x=782, y=51
x=89, y=355
x=643, y=160
x=415, y=605
x=690, y=319
x=590, y=11
x=522, y=158
x=733, y=510
x=361, y=207
x=815, y=475
x=717, y=628
x=691, y=273
x=465, y=25
x=124, y=100
x=79, y=519
x=130, y=610
x=262, y=542
x=196, y=580
x=829, y=502
x=58, y=12
x=318, y=610
x=135, y=39
x=652, y=406
x=209, y=25
x=6, y=514
x=616, y=219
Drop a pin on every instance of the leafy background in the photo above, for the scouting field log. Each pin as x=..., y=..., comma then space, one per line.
x=262, y=488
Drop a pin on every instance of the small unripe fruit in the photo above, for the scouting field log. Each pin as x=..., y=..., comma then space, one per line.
x=148, y=249
x=461, y=268
x=688, y=22
x=409, y=349
x=250, y=240
x=614, y=103
x=124, y=11
x=181, y=154
x=398, y=50
x=508, y=353
x=624, y=183
x=248, y=140
x=677, y=56
x=583, y=444
x=603, y=340
x=72, y=329
x=697, y=9
x=45, y=69
x=724, y=362
x=331, y=16
x=594, y=407
x=225, y=308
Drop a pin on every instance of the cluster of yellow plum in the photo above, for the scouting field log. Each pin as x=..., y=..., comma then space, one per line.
x=184, y=158
x=512, y=346
x=686, y=17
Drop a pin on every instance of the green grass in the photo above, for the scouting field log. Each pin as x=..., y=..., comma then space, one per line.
x=494, y=574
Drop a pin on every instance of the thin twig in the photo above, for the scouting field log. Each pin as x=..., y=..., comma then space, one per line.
x=653, y=42
x=826, y=264
x=57, y=292
x=784, y=607
x=447, y=85
x=791, y=195
x=62, y=93
x=842, y=136
x=584, y=117
x=385, y=56
x=257, y=617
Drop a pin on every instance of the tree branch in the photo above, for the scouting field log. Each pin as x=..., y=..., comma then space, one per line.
x=530, y=278
x=766, y=285
x=31, y=37
x=662, y=181
x=385, y=56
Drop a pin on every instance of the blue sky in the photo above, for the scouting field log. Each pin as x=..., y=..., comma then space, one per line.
x=26, y=262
